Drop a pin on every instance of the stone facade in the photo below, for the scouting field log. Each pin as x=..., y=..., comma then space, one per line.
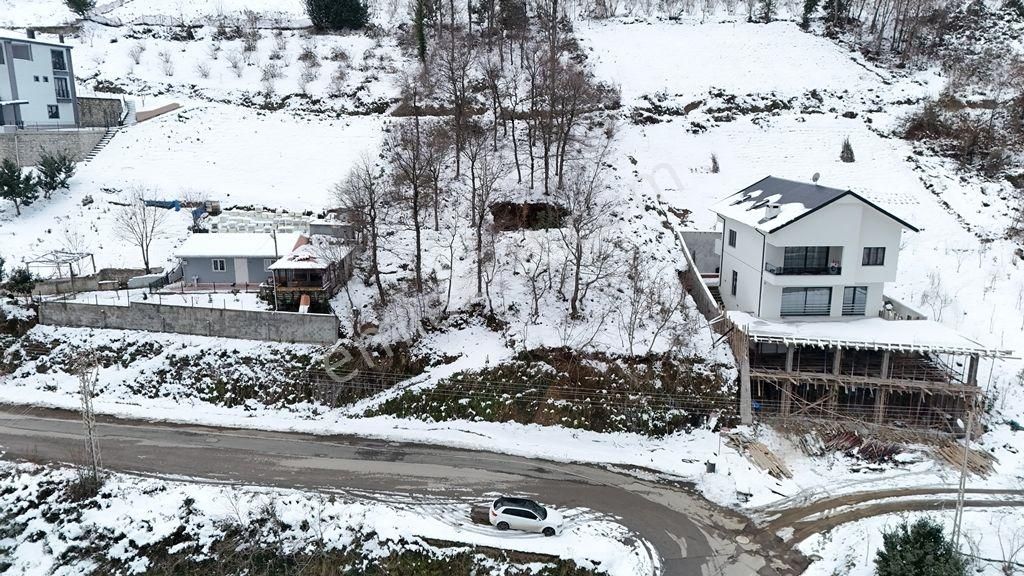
x=25, y=146
x=248, y=324
x=99, y=112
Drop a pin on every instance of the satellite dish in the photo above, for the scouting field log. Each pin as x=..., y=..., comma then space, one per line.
x=816, y=177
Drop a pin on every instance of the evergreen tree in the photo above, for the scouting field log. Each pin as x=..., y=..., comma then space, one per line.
x=920, y=549
x=22, y=189
x=21, y=282
x=1, y=269
x=421, y=33
x=809, y=7
x=1014, y=6
x=337, y=14
x=766, y=10
x=81, y=7
x=846, y=154
x=54, y=171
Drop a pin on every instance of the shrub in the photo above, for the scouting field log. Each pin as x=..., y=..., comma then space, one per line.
x=21, y=282
x=81, y=7
x=337, y=14
x=203, y=70
x=338, y=54
x=920, y=549
x=714, y=164
x=55, y=170
x=136, y=52
x=846, y=154
x=338, y=79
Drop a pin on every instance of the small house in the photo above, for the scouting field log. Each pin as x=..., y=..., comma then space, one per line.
x=236, y=259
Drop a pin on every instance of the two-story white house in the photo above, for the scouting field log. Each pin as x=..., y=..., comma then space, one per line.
x=801, y=249
x=37, y=83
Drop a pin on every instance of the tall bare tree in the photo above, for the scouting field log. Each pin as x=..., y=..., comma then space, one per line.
x=139, y=224
x=408, y=155
x=487, y=167
x=588, y=253
x=362, y=196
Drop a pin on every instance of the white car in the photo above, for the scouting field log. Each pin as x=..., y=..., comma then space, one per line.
x=526, y=515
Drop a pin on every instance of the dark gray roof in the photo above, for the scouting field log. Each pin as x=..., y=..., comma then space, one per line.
x=812, y=196
x=795, y=199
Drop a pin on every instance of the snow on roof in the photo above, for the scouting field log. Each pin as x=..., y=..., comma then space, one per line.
x=236, y=245
x=863, y=333
x=315, y=252
x=793, y=199
x=22, y=37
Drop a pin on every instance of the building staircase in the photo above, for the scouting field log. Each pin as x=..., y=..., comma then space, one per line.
x=717, y=295
x=107, y=137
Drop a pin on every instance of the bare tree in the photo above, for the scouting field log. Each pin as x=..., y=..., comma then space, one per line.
x=487, y=166
x=410, y=168
x=653, y=302
x=140, y=224
x=534, y=263
x=455, y=65
x=362, y=196
x=438, y=151
x=589, y=254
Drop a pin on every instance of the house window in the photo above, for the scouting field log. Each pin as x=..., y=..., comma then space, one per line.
x=219, y=265
x=46, y=79
x=735, y=279
x=803, y=259
x=53, y=111
x=21, y=51
x=874, y=257
x=60, y=86
x=855, y=299
x=806, y=301
x=732, y=238
x=35, y=78
x=59, y=63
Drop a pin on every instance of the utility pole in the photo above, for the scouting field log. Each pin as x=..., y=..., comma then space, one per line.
x=959, y=515
x=87, y=380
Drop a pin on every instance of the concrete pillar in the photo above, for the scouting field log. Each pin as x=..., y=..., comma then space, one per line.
x=837, y=360
x=880, y=397
x=789, y=357
x=746, y=413
x=972, y=371
x=787, y=397
x=886, y=356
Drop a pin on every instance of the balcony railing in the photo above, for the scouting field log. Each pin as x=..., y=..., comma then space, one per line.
x=802, y=270
x=806, y=310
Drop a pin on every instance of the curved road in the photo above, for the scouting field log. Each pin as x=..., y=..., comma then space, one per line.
x=692, y=536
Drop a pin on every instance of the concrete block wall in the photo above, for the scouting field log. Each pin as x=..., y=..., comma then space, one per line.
x=25, y=146
x=248, y=324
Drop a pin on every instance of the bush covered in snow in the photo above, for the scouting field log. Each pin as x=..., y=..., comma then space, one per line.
x=594, y=392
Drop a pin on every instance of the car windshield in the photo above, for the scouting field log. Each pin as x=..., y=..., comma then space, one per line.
x=524, y=504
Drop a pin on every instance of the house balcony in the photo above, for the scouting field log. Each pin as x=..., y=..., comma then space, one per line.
x=802, y=270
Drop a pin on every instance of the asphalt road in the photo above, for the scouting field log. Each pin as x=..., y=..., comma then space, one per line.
x=692, y=536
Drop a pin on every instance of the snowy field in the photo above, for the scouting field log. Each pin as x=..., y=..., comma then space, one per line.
x=223, y=300
x=133, y=514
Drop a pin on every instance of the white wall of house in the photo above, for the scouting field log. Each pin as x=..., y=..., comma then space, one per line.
x=36, y=81
x=745, y=260
x=848, y=223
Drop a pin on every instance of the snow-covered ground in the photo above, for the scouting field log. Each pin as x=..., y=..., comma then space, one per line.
x=224, y=300
x=739, y=72
x=132, y=514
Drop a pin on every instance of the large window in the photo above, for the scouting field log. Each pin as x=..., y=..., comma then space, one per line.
x=21, y=51
x=53, y=111
x=735, y=280
x=219, y=265
x=806, y=257
x=59, y=63
x=874, y=257
x=806, y=301
x=60, y=87
x=855, y=299
x=732, y=238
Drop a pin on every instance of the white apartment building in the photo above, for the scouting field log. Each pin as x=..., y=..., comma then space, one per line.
x=37, y=83
x=792, y=249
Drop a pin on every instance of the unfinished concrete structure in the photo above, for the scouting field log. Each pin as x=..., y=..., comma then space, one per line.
x=870, y=358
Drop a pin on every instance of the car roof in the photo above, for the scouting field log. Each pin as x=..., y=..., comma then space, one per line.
x=510, y=501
